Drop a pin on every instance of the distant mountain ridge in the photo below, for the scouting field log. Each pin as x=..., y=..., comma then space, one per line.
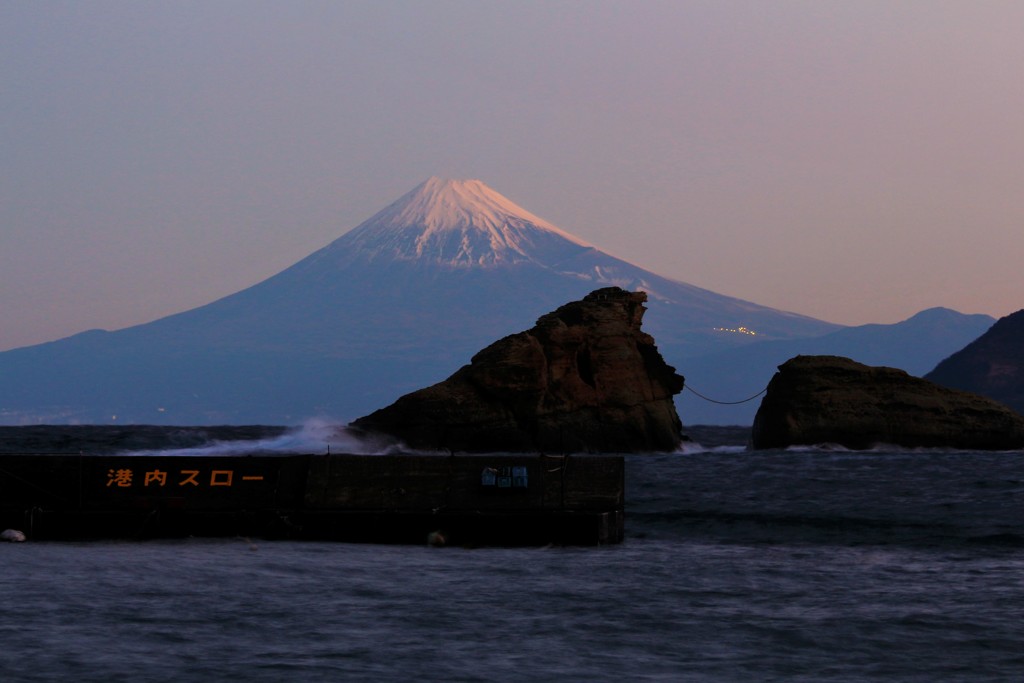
x=397, y=303
x=915, y=345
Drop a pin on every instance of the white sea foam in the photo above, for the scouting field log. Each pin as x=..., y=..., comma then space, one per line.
x=315, y=435
x=695, y=448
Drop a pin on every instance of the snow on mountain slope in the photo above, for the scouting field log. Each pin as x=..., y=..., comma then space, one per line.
x=459, y=223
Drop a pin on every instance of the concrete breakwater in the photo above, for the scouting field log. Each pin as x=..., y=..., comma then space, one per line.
x=493, y=499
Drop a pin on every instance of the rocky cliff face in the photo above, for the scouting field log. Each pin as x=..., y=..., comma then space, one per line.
x=584, y=379
x=829, y=399
x=992, y=365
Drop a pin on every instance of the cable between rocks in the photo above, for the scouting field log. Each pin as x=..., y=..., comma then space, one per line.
x=723, y=403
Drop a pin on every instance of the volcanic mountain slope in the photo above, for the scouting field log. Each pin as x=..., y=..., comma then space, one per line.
x=400, y=301
x=453, y=264
x=992, y=365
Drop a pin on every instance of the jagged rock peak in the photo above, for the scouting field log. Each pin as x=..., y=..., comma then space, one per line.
x=585, y=378
x=458, y=222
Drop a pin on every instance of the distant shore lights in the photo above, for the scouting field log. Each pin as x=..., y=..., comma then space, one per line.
x=736, y=330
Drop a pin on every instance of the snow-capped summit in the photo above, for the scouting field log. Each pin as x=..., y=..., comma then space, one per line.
x=457, y=223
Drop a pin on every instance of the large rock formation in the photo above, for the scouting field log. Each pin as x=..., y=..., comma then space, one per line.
x=992, y=365
x=829, y=399
x=584, y=379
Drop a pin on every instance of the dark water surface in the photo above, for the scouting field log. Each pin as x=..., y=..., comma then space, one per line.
x=738, y=566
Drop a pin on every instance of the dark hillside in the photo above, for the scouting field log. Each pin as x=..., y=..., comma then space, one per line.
x=992, y=365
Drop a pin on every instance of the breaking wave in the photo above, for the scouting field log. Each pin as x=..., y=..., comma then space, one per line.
x=696, y=448
x=315, y=435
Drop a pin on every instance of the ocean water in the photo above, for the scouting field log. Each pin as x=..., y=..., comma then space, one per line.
x=795, y=565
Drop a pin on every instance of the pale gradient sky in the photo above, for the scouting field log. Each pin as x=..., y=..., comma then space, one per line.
x=854, y=161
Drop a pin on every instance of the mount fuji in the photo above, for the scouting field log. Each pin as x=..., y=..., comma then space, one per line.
x=397, y=303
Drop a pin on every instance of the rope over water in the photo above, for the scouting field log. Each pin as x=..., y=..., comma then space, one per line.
x=723, y=403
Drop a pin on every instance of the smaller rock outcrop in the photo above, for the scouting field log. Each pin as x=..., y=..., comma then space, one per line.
x=584, y=379
x=830, y=399
x=992, y=365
